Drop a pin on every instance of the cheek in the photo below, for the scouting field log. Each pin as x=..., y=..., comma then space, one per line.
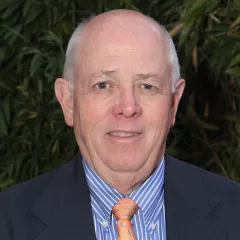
x=157, y=112
x=91, y=114
x=157, y=116
x=158, y=124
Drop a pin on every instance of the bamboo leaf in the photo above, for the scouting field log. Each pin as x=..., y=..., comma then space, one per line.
x=5, y=86
x=3, y=125
x=6, y=183
x=233, y=71
x=236, y=60
x=34, y=14
x=6, y=110
x=35, y=64
x=11, y=10
x=26, y=7
x=2, y=54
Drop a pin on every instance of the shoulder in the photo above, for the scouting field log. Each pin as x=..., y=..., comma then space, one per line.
x=208, y=197
x=26, y=208
x=27, y=190
x=194, y=177
x=25, y=193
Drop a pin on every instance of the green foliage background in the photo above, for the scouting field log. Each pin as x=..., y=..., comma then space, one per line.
x=33, y=39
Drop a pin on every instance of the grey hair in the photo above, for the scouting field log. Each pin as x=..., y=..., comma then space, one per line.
x=172, y=58
x=70, y=68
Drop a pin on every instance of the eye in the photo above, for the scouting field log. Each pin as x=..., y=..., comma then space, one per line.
x=147, y=86
x=102, y=85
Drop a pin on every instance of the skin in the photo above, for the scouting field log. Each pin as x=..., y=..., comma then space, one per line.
x=123, y=85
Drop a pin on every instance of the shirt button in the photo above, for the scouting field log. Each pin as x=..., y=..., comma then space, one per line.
x=105, y=223
x=153, y=226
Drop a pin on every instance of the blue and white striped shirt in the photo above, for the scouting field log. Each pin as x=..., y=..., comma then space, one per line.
x=148, y=222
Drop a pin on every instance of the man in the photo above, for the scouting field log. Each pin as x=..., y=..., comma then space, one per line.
x=120, y=93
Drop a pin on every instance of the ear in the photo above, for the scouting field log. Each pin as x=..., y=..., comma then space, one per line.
x=179, y=87
x=64, y=96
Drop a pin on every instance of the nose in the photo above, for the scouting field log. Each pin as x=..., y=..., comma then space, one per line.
x=127, y=105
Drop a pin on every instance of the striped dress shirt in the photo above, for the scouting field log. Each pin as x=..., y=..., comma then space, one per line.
x=148, y=222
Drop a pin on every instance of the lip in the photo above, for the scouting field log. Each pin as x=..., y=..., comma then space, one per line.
x=125, y=131
x=132, y=137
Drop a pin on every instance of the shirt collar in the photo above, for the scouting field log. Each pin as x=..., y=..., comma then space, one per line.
x=103, y=196
x=148, y=196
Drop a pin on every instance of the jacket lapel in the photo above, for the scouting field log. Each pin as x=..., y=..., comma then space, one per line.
x=65, y=206
x=189, y=206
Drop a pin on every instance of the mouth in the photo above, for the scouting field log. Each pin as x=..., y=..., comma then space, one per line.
x=123, y=134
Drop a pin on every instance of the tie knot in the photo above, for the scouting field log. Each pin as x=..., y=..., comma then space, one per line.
x=124, y=208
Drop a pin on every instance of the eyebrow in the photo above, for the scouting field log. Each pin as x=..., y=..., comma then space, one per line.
x=139, y=75
x=108, y=72
x=146, y=75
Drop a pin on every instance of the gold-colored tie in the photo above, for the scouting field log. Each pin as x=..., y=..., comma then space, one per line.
x=123, y=211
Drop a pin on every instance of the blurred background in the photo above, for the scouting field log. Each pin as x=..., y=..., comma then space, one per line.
x=33, y=39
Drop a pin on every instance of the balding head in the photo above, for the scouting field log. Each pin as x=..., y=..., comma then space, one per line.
x=123, y=24
x=120, y=20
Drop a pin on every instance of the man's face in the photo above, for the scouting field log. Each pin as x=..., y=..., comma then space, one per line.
x=122, y=101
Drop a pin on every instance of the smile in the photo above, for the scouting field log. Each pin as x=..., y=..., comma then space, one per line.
x=123, y=134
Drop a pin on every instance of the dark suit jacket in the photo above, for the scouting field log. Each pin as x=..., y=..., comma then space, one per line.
x=56, y=206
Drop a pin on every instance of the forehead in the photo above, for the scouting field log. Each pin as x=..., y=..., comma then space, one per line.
x=130, y=42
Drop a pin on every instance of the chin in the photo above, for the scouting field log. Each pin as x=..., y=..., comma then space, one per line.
x=125, y=163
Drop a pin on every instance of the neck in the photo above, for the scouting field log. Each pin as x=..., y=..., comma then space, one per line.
x=127, y=182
